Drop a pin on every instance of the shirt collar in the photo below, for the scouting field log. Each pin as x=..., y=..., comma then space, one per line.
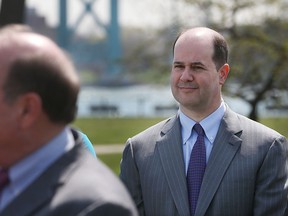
x=25, y=171
x=210, y=124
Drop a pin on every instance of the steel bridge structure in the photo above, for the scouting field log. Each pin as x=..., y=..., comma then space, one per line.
x=108, y=51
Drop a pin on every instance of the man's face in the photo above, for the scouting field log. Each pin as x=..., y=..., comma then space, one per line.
x=195, y=81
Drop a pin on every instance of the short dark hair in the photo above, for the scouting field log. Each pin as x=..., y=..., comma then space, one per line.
x=220, y=55
x=47, y=78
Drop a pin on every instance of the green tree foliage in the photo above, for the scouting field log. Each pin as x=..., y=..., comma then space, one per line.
x=257, y=32
x=258, y=36
x=259, y=62
x=147, y=55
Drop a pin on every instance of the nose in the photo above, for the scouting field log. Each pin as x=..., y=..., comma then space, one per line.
x=186, y=75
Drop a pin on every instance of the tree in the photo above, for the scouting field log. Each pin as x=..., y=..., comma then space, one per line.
x=257, y=33
x=147, y=55
x=259, y=62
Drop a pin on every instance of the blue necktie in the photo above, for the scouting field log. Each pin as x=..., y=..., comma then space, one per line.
x=196, y=168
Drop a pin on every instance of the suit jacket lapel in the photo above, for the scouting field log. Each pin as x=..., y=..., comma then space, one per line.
x=43, y=188
x=171, y=156
x=30, y=199
x=225, y=146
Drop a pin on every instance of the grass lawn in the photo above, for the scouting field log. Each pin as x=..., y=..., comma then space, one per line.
x=112, y=130
x=278, y=124
x=117, y=130
x=112, y=161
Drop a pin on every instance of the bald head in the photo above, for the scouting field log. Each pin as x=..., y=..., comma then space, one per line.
x=17, y=44
x=207, y=38
x=30, y=62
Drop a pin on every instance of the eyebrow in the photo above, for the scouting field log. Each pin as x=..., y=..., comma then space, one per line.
x=197, y=64
x=193, y=63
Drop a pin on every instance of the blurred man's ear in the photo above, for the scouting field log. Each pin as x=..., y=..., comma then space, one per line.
x=29, y=107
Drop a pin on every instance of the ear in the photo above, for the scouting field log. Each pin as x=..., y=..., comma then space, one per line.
x=223, y=73
x=29, y=107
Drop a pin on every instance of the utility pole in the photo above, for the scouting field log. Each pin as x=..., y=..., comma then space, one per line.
x=12, y=11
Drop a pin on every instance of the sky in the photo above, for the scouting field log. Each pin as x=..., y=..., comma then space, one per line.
x=134, y=13
x=148, y=13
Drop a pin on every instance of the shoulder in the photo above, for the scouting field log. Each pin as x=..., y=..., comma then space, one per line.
x=257, y=127
x=91, y=185
x=155, y=130
x=250, y=129
x=145, y=142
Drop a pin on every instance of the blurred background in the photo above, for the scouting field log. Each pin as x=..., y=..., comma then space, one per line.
x=122, y=50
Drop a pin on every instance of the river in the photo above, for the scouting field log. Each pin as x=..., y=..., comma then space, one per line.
x=145, y=101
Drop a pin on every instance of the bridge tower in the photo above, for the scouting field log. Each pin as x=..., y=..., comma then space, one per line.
x=110, y=49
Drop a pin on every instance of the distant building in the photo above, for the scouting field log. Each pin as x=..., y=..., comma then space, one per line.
x=38, y=23
x=87, y=54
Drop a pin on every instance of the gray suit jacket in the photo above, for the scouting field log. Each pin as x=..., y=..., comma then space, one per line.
x=245, y=175
x=76, y=184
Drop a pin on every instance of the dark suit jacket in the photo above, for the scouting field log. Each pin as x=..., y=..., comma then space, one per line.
x=76, y=184
x=245, y=175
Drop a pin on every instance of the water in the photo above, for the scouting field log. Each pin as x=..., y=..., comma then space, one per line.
x=146, y=101
x=130, y=101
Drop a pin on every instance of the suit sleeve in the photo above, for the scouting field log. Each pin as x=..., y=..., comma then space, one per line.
x=272, y=185
x=130, y=176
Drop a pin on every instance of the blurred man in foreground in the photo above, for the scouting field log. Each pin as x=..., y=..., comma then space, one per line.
x=44, y=166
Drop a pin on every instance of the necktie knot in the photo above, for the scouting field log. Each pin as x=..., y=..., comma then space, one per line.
x=198, y=128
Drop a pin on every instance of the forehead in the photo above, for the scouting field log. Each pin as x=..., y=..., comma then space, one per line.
x=195, y=46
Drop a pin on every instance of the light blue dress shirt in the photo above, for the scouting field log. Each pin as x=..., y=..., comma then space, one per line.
x=27, y=170
x=210, y=125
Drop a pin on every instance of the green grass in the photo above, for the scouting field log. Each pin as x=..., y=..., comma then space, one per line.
x=278, y=124
x=117, y=130
x=112, y=130
x=112, y=161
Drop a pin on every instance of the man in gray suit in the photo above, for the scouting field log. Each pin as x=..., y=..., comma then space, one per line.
x=245, y=163
x=44, y=166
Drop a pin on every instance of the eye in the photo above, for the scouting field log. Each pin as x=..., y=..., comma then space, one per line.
x=197, y=68
x=178, y=66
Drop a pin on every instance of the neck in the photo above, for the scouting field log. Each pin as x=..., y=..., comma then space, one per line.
x=199, y=114
x=26, y=143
